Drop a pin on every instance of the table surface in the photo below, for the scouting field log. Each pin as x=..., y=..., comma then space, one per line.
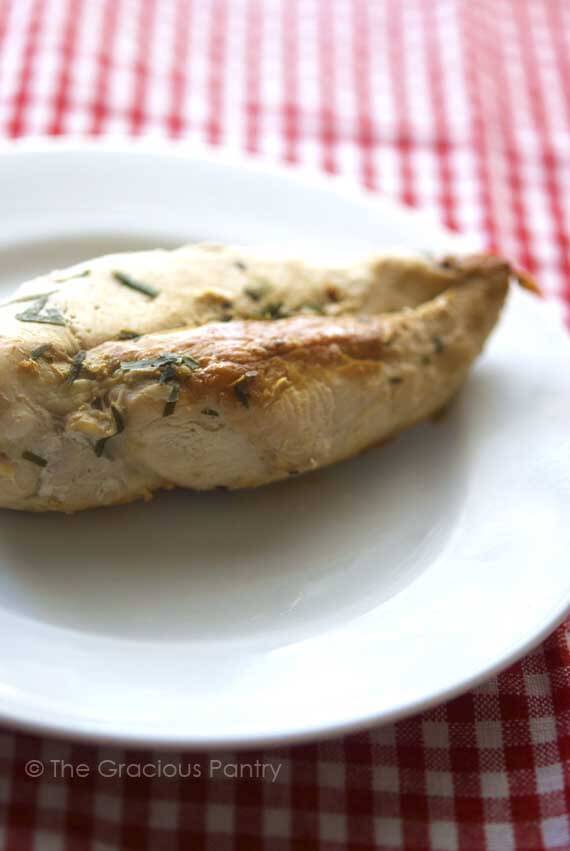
x=460, y=108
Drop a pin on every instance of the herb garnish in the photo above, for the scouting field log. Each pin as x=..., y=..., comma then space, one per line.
x=39, y=313
x=275, y=310
x=119, y=421
x=173, y=397
x=226, y=306
x=124, y=334
x=134, y=284
x=209, y=412
x=257, y=291
x=100, y=446
x=241, y=387
x=167, y=373
x=239, y=264
x=169, y=358
x=72, y=277
x=254, y=294
x=313, y=308
x=35, y=459
x=119, y=426
x=395, y=379
x=76, y=365
x=38, y=353
x=438, y=345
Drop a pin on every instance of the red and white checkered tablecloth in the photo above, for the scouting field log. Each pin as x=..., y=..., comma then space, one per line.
x=461, y=107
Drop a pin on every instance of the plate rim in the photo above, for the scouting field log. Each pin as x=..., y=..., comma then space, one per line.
x=94, y=736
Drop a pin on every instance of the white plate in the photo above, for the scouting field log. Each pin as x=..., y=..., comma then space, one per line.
x=334, y=601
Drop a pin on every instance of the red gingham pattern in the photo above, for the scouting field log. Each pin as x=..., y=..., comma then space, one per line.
x=461, y=107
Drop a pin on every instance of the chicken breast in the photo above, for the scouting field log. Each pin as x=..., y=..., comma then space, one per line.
x=214, y=366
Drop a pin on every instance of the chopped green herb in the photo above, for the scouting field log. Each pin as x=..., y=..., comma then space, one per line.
x=35, y=459
x=39, y=313
x=190, y=362
x=100, y=446
x=134, y=284
x=72, y=277
x=253, y=293
x=173, y=397
x=313, y=308
x=241, y=388
x=118, y=417
x=257, y=290
x=438, y=345
x=209, y=412
x=143, y=365
x=426, y=360
x=168, y=359
x=128, y=335
x=38, y=353
x=119, y=426
x=76, y=365
x=242, y=393
x=226, y=306
x=275, y=310
x=395, y=379
x=239, y=264
x=167, y=373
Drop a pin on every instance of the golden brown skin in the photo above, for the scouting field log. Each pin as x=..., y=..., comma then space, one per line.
x=243, y=402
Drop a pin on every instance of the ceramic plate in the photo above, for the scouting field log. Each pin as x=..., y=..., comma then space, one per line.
x=338, y=600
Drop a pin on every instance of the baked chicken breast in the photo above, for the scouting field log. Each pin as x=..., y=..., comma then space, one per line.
x=213, y=366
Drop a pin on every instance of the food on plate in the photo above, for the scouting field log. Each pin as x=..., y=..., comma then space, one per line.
x=214, y=366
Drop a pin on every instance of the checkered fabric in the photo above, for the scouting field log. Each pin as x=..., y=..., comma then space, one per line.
x=461, y=107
